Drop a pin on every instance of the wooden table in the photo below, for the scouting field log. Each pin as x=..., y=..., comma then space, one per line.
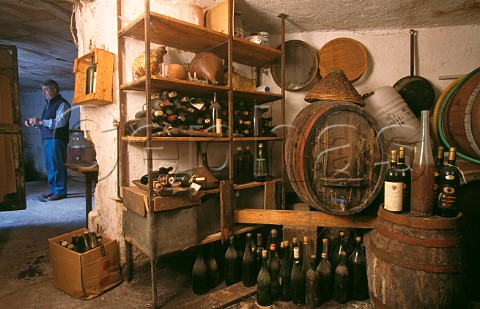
x=91, y=174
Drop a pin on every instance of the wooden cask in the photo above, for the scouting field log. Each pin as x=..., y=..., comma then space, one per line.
x=335, y=157
x=415, y=262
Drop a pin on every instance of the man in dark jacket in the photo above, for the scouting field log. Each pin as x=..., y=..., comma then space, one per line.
x=54, y=125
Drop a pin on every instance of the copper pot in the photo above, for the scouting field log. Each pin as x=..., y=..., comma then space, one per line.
x=206, y=66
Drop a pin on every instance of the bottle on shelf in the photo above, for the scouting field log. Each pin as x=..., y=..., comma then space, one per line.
x=215, y=115
x=258, y=252
x=264, y=291
x=339, y=248
x=423, y=172
x=305, y=255
x=324, y=269
x=238, y=24
x=393, y=186
x=406, y=173
x=341, y=281
x=257, y=120
x=357, y=265
x=449, y=184
x=91, y=76
x=248, y=164
x=249, y=273
x=200, y=283
x=260, y=169
x=436, y=186
x=238, y=166
x=285, y=273
x=312, y=284
x=212, y=268
x=86, y=241
x=184, y=179
x=92, y=239
x=231, y=275
x=273, y=265
x=297, y=279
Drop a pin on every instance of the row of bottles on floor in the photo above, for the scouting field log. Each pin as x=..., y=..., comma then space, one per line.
x=440, y=192
x=290, y=273
x=205, y=114
x=83, y=242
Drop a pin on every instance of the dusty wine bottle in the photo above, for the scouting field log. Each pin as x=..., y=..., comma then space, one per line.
x=339, y=248
x=312, y=284
x=258, y=252
x=449, y=183
x=249, y=274
x=285, y=273
x=393, y=187
x=199, y=274
x=264, y=291
x=273, y=266
x=248, y=164
x=238, y=166
x=357, y=265
x=231, y=275
x=340, y=286
x=212, y=268
x=324, y=269
x=297, y=279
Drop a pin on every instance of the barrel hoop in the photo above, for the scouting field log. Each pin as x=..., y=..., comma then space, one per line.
x=418, y=241
x=395, y=260
x=468, y=120
x=419, y=222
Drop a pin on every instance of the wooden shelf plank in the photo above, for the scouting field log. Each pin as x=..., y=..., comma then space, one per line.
x=143, y=139
x=238, y=229
x=301, y=218
x=254, y=184
x=186, y=36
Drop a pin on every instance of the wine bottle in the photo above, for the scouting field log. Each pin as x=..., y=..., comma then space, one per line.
x=312, y=284
x=264, y=292
x=285, y=273
x=357, y=266
x=340, y=286
x=212, y=268
x=183, y=179
x=215, y=115
x=249, y=274
x=91, y=76
x=339, y=248
x=231, y=263
x=92, y=239
x=248, y=164
x=449, y=183
x=238, y=166
x=406, y=173
x=305, y=255
x=393, y=186
x=258, y=252
x=297, y=279
x=199, y=275
x=260, y=169
x=86, y=241
x=257, y=120
x=423, y=172
x=436, y=185
x=324, y=269
x=273, y=266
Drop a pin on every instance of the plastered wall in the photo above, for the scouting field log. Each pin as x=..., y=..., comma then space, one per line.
x=441, y=51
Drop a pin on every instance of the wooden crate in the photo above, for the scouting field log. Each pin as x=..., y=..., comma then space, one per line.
x=104, y=78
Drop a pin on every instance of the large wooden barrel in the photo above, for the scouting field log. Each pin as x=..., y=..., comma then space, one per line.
x=415, y=262
x=335, y=157
x=461, y=116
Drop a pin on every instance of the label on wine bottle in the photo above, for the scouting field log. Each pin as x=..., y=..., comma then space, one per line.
x=393, y=196
x=447, y=198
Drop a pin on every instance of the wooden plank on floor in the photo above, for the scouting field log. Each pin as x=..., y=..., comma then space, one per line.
x=303, y=218
x=222, y=298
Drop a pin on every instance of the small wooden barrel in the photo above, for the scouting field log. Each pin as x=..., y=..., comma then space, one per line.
x=461, y=117
x=334, y=157
x=415, y=262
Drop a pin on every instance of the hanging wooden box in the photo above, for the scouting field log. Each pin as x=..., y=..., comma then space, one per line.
x=104, y=78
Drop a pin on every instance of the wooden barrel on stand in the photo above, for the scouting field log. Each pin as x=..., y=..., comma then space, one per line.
x=416, y=262
x=335, y=157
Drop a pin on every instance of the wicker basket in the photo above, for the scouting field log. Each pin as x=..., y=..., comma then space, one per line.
x=334, y=87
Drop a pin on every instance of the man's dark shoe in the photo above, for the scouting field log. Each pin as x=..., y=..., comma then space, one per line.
x=46, y=195
x=55, y=197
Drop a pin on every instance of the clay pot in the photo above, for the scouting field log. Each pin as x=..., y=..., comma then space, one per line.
x=207, y=66
x=176, y=71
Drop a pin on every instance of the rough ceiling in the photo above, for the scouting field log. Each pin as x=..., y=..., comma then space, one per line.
x=41, y=28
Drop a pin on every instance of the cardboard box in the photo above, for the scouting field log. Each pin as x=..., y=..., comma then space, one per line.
x=84, y=275
x=217, y=18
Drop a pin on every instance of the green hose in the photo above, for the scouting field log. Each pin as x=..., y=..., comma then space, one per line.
x=442, y=109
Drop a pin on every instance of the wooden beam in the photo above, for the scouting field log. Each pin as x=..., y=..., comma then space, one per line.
x=301, y=218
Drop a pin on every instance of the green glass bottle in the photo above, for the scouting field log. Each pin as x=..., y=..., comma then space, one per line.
x=231, y=263
x=324, y=270
x=298, y=280
x=249, y=274
x=357, y=266
x=273, y=265
x=264, y=292
x=312, y=284
x=199, y=274
x=341, y=281
x=91, y=75
x=212, y=268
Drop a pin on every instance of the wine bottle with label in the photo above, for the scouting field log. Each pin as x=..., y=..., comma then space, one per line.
x=406, y=173
x=436, y=185
x=393, y=186
x=449, y=183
